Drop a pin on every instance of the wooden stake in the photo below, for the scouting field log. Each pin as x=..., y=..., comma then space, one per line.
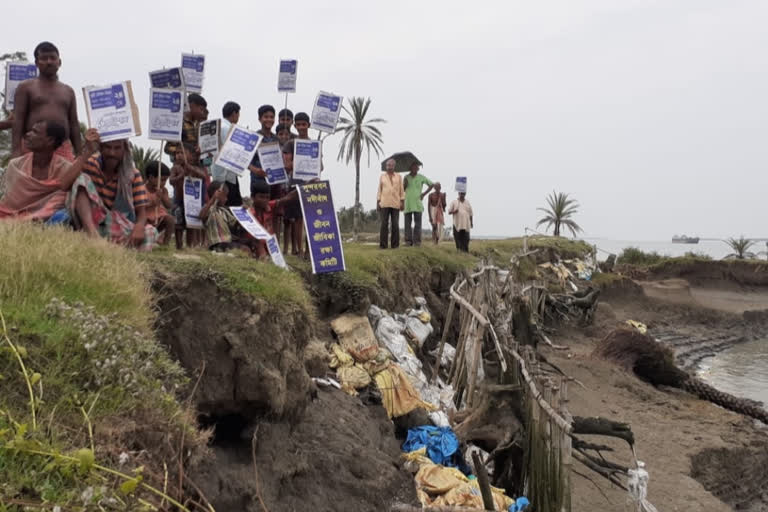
x=482, y=480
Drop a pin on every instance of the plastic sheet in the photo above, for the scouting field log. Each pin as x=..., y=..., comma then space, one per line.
x=440, y=442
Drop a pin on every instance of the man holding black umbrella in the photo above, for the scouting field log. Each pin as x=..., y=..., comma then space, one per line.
x=414, y=206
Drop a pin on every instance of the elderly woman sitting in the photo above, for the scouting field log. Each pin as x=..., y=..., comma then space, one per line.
x=37, y=182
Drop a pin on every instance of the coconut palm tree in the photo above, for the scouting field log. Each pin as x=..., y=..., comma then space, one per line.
x=359, y=134
x=559, y=212
x=740, y=247
x=142, y=156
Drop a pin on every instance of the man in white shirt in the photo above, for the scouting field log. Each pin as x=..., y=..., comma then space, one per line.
x=462, y=221
x=230, y=116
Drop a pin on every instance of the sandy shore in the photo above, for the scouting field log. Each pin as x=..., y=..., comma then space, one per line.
x=676, y=434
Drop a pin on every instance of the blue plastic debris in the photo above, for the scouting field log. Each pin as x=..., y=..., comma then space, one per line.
x=441, y=443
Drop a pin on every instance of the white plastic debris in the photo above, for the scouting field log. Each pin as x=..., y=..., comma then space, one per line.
x=389, y=334
x=637, y=487
x=375, y=313
x=417, y=330
x=449, y=354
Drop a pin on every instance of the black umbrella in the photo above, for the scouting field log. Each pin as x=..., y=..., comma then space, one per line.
x=403, y=161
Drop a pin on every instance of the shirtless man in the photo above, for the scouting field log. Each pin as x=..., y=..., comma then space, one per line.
x=46, y=99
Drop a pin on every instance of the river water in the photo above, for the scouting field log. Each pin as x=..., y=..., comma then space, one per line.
x=742, y=370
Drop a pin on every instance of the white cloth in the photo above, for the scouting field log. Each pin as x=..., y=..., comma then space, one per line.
x=462, y=213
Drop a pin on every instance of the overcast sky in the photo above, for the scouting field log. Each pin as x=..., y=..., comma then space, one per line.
x=653, y=114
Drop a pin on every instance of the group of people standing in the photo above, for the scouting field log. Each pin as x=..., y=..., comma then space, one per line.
x=396, y=194
x=56, y=176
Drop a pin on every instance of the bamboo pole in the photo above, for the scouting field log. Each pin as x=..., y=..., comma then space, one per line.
x=565, y=448
x=443, y=338
x=478, y=351
x=461, y=300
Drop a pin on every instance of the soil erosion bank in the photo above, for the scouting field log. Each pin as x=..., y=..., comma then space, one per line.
x=250, y=338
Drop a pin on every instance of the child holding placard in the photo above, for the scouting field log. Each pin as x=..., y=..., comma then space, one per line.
x=186, y=164
x=159, y=204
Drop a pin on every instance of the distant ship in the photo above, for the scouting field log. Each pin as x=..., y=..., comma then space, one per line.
x=685, y=239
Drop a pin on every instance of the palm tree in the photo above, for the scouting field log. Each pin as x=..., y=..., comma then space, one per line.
x=359, y=134
x=560, y=209
x=740, y=247
x=143, y=156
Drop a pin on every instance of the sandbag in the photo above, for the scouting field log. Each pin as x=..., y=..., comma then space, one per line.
x=397, y=393
x=389, y=334
x=356, y=336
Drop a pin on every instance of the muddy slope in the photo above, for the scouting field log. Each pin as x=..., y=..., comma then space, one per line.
x=314, y=449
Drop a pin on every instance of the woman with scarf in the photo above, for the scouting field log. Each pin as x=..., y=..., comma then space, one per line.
x=436, y=203
x=109, y=198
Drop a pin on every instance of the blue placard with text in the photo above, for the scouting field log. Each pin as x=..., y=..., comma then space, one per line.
x=322, y=227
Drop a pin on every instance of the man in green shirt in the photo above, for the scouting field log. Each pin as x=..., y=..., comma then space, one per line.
x=414, y=207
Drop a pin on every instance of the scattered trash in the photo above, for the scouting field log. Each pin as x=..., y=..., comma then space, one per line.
x=638, y=326
x=440, y=442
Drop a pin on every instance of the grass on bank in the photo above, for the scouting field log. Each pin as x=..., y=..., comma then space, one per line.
x=82, y=377
x=237, y=272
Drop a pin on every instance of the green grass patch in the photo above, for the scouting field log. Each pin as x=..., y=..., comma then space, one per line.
x=238, y=273
x=80, y=370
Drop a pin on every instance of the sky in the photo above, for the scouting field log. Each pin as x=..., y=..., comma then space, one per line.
x=652, y=114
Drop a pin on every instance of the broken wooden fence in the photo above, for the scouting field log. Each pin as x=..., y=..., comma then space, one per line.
x=548, y=425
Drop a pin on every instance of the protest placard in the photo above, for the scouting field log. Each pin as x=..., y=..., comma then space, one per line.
x=461, y=184
x=193, y=67
x=271, y=158
x=112, y=111
x=172, y=78
x=307, y=159
x=325, y=113
x=274, y=252
x=322, y=227
x=208, y=136
x=165, y=114
x=15, y=73
x=286, y=77
x=250, y=224
x=193, y=202
x=238, y=150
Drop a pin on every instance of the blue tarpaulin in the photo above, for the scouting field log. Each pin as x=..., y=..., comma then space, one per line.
x=441, y=443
